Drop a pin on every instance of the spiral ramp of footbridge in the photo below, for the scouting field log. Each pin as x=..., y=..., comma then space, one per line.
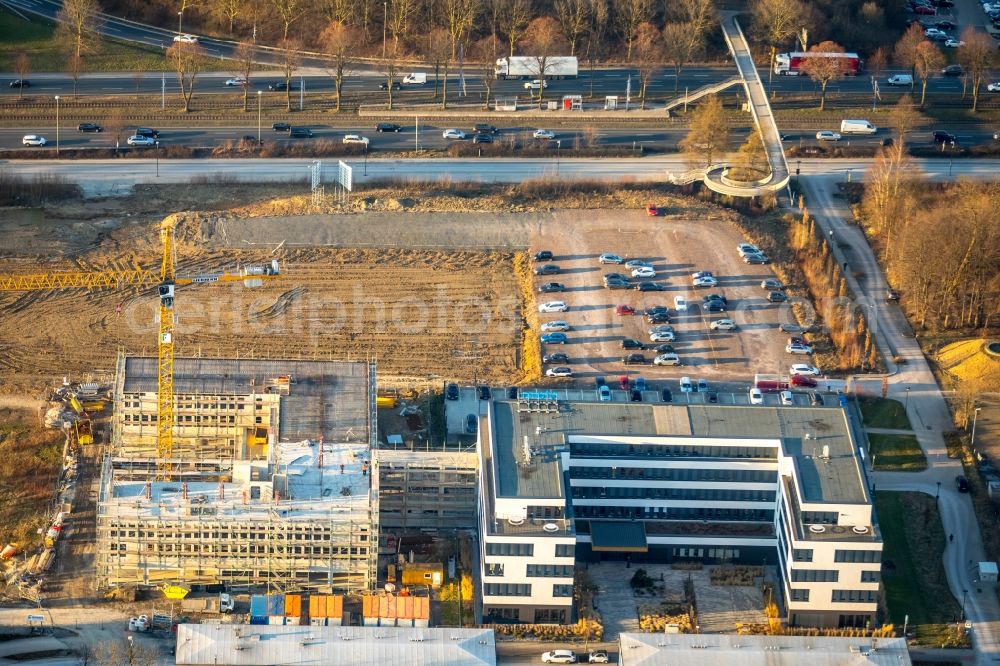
x=716, y=176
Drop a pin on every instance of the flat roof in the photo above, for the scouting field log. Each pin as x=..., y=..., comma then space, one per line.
x=802, y=431
x=730, y=649
x=326, y=398
x=280, y=645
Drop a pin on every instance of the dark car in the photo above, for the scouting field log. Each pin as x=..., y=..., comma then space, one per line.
x=635, y=395
x=816, y=399
x=547, y=269
x=300, y=133
x=953, y=70
x=756, y=258
x=551, y=288
x=281, y=85
x=632, y=343
x=945, y=25
x=388, y=127
x=891, y=295
x=664, y=348
x=483, y=391
x=776, y=297
x=656, y=309
x=396, y=85
x=962, y=484
x=89, y=127
x=146, y=131
x=944, y=137
x=543, y=255
x=633, y=359
x=20, y=83
x=650, y=286
x=482, y=138
x=451, y=392
x=617, y=284
x=558, y=357
x=471, y=424
x=512, y=392
x=249, y=138
x=281, y=127
x=713, y=397
x=658, y=318
x=484, y=128
x=666, y=395
x=714, y=306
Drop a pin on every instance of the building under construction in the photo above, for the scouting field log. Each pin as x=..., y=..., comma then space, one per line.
x=268, y=483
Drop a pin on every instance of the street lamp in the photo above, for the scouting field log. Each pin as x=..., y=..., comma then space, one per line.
x=951, y=156
x=57, y=124
x=157, y=158
x=906, y=405
x=558, y=151
x=385, y=24
x=937, y=495
x=975, y=417
x=180, y=22
x=258, y=117
x=965, y=596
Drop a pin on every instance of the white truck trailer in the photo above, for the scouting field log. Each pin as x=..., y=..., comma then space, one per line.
x=527, y=67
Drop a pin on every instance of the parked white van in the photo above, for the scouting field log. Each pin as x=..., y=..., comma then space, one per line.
x=857, y=127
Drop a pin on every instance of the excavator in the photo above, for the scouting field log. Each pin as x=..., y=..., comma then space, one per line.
x=166, y=281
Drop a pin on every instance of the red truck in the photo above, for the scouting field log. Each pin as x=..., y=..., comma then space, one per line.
x=770, y=383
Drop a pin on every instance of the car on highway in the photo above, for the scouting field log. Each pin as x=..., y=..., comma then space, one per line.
x=396, y=85
x=388, y=127
x=186, y=39
x=33, y=140
x=941, y=136
x=138, y=140
x=281, y=127
x=706, y=281
x=482, y=137
x=802, y=381
x=548, y=135
x=559, y=657
x=535, y=84
x=147, y=131
x=680, y=304
x=952, y=70
x=643, y=272
x=451, y=392
x=547, y=269
x=804, y=369
x=634, y=359
x=236, y=81
x=554, y=339
x=771, y=283
x=900, y=80
x=623, y=310
x=827, y=135
x=553, y=306
x=20, y=83
x=993, y=87
x=667, y=359
x=756, y=396
x=953, y=43
x=962, y=484
x=89, y=127
x=798, y=349
x=355, y=138
x=723, y=325
x=632, y=343
x=559, y=371
x=650, y=286
x=551, y=288
x=558, y=357
x=453, y=133
x=485, y=128
x=557, y=325
x=300, y=133
x=282, y=85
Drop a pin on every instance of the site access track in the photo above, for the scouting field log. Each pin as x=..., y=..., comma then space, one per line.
x=715, y=177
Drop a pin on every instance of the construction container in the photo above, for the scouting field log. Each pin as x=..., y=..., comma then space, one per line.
x=423, y=574
x=258, y=609
x=9, y=551
x=276, y=609
x=293, y=609
x=326, y=610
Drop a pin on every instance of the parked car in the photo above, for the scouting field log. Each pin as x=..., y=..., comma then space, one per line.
x=597, y=657
x=702, y=385
x=551, y=288
x=547, y=269
x=791, y=328
x=451, y=392
x=609, y=258
x=658, y=318
x=771, y=284
x=558, y=357
x=680, y=304
x=666, y=395
x=632, y=343
x=453, y=134
x=624, y=310
x=798, y=349
x=804, y=369
x=554, y=339
x=604, y=393
x=643, y=272
x=637, y=263
x=707, y=281
x=545, y=134
x=33, y=140
x=661, y=336
x=776, y=297
x=559, y=371
x=756, y=258
x=483, y=392
x=543, y=255
x=471, y=424
x=559, y=657
x=553, y=306
x=650, y=286
x=816, y=400
x=685, y=385
x=388, y=127
x=787, y=398
x=744, y=248
x=552, y=326
x=756, y=396
x=652, y=210
x=723, y=325
x=664, y=348
x=802, y=381
x=89, y=127
x=634, y=359
x=962, y=484
x=952, y=43
x=669, y=358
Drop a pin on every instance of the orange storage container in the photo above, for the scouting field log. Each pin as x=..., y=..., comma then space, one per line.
x=421, y=608
x=335, y=606
x=369, y=606
x=317, y=605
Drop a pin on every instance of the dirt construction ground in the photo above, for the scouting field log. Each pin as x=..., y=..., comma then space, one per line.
x=676, y=248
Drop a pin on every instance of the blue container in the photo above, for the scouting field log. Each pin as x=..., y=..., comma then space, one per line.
x=258, y=607
x=275, y=605
x=258, y=620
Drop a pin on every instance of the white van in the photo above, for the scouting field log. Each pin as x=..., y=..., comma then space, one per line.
x=416, y=78
x=857, y=127
x=900, y=80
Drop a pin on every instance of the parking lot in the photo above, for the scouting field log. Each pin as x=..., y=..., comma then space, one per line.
x=676, y=249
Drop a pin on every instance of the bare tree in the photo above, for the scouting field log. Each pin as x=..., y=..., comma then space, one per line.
x=978, y=55
x=22, y=67
x=904, y=117
x=114, y=126
x=228, y=11
x=137, y=76
x=243, y=57
x=437, y=51
x=883, y=202
x=680, y=44
x=877, y=62
x=188, y=61
x=824, y=66
x=709, y=134
x=514, y=18
x=484, y=57
x=927, y=59
x=543, y=39
x=77, y=23
x=700, y=14
x=629, y=15
x=775, y=22
x=288, y=11
x=290, y=60
x=905, y=51
x=648, y=56
x=400, y=13
x=123, y=653
x=751, y=160
x=596, y=31
x=74, y=67
x=574, y=16
x=338, y=42
x=459, y=16
x=390, y=68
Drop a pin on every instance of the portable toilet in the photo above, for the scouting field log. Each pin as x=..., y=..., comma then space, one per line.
x=987, y=572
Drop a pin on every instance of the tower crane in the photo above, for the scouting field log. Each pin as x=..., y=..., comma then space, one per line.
x=166, y=280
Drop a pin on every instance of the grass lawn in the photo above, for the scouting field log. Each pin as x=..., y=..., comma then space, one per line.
x=912, y=571
x=897, y=453
x=885, y=413
x=37, y=39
